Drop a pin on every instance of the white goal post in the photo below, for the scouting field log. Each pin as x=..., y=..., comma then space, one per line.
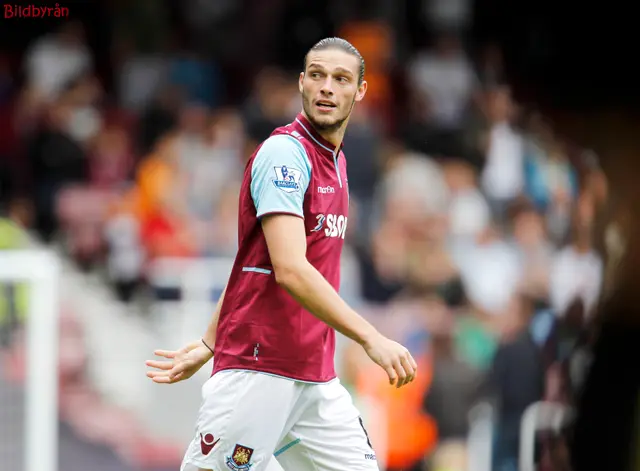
x=41, y=270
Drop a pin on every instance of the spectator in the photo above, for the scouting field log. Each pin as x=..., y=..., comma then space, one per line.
x=454, y=387
x=416, y=177
x=502, y=175
x=577, y=270
x=218, y=166
x=158, y=118
x=550, y=180
x=134, y=230
x=375, y=41
x=200, y=79
x=446, y=79
x=448, y=15
x=516, y=378
x=268, y=106
x=111, y=160
x=220, y=237
x=53, y=60
x=139, y=76
x=534, y=250
x=490, y=274
x=56, y=159
x=469, y=213
x=83, y=94
x=382, y=264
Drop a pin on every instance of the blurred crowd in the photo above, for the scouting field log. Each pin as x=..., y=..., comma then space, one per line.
x=473, y=235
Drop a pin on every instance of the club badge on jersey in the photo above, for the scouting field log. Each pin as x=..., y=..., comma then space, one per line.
x=287, y=179
x=240, y=459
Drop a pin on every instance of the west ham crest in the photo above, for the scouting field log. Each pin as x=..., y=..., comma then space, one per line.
x=240, y=458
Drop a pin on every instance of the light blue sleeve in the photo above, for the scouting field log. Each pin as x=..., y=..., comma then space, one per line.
x=280, y=175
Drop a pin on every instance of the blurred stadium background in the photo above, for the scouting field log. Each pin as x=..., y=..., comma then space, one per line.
x=476, y=196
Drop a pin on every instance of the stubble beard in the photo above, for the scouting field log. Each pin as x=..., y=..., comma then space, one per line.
x=323, y=127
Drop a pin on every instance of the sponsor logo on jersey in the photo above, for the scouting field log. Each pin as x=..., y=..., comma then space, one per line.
x=320, y=218
x=326, y=189
x=335, y=225
x=240, y=459
x=287, y=179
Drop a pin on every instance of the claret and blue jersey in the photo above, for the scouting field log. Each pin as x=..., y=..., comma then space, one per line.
x=261, y=327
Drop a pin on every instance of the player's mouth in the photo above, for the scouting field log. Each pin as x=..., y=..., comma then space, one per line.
x=324, y=105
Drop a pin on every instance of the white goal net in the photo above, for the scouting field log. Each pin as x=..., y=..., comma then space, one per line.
x=35, y=448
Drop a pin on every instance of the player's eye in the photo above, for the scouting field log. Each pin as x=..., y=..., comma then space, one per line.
x=343, y=79
x=315, y=75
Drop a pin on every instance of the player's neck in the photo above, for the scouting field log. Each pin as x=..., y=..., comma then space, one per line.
x=334, y=137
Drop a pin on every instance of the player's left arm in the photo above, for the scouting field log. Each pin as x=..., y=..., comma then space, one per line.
x=280, y=208
x=286, y=240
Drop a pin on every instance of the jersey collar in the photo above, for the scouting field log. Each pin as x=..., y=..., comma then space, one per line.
x=308, y=130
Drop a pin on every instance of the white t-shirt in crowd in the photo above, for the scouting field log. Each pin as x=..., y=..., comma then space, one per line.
x=503, y=173
x=50, y=65
x=575, y=275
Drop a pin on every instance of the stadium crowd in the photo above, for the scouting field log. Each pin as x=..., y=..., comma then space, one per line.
x=471, y=235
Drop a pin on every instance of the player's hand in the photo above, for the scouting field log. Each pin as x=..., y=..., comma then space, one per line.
x=182, y=364
x=394, y=359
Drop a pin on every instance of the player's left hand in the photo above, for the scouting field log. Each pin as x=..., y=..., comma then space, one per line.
x=393, y=358
x=182, y=364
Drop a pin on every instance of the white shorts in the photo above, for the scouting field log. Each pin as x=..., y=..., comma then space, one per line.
x=248, y=418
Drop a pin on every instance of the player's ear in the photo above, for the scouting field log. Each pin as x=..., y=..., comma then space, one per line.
x=300, y=80
x=362, y=90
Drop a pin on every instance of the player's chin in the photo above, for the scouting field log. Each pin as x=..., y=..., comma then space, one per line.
x=323, y=121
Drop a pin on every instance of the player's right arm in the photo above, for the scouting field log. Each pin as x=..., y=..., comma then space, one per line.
x=184, y=363
x=281, y=213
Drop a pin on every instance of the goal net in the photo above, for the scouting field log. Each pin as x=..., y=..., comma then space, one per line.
x=31, y=442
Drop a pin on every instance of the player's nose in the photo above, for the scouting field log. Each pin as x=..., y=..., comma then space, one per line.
x=327, y=88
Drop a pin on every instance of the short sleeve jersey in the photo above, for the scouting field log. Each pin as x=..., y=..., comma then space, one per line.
x=261, y=327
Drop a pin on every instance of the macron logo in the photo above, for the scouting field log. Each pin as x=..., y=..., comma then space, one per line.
x=326, y=189
x=207, y=442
